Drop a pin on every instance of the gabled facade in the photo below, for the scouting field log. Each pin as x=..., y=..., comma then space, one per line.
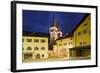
x=82, y=39
x=82, y=32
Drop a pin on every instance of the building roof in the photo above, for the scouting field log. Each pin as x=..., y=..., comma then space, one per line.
x=80, y=22
x=38, y=34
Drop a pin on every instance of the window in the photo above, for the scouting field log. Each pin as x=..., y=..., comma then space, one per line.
x=60, y=40
x=28, y=56
x=84, y=43
x=85, y=24
x=43, y=41
x=84, y=31
x=37, y=56
x=42, y=55
x=29, y=48
x=60, y=44
x=70, y=38
x=79, y=33
x=36, y=48
x=29, y=40
x=22, y=40
x=36, y=40
x=70, y=42
x=80, y=43
x=65, y=43
x=58, y=34
x=51, y=30
x=43, y=48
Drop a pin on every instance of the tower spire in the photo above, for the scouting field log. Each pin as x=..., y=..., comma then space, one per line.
x=59, y=30
x=59, y=26
x=54, y=21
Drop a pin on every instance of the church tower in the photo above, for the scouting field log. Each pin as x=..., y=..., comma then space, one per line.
x=53, y=32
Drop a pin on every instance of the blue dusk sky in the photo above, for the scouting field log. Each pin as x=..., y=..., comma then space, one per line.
x=41, y=21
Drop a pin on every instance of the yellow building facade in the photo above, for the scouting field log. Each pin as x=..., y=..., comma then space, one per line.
x=34, y=47
x=82, y=39
x=82, y=35
x=62, y=46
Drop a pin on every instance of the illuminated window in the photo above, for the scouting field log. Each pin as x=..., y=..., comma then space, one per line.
x=28, y=56
x=43, y=41
x=36, y=48
x=65, y=43
x=29, y=48
x=79, y=33
x=84, y=31
x=29, y=40
x=36, y=40
x=43, y=48
x=80, y=43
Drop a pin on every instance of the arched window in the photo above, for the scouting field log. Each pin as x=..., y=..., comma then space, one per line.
x=29, y=48
x=36, y=40
x=27, y=56
x=36, y=48
x=43, y=41
x=38, y=56
x=29, y=40
x=43, y=48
